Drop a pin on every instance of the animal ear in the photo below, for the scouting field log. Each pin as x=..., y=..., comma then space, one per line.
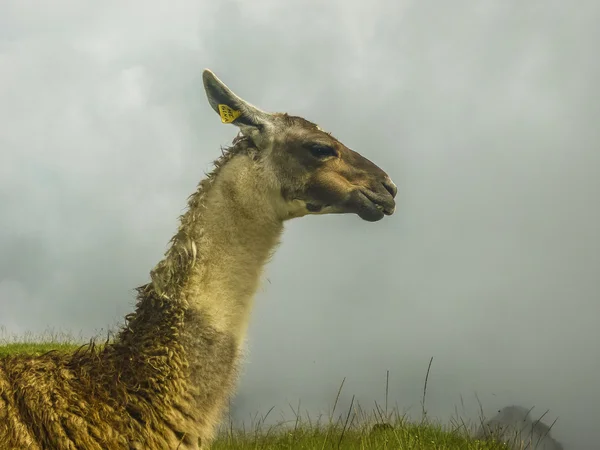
x=230, y=107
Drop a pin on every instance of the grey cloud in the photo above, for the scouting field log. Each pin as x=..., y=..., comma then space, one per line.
x=483, y=112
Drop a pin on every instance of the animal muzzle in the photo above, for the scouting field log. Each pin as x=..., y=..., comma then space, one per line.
x=373, y=204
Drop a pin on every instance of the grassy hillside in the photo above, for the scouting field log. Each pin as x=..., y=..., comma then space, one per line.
x=353, y=430
x=32, y=344
x=401, y=435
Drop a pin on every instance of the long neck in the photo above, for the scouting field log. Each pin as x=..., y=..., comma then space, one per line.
x=226, y=237
x=183, y=341
x=233, y=232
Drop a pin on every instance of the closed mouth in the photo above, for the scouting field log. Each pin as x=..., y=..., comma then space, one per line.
x=385, y=204
x=379, y=205
x=387, y=211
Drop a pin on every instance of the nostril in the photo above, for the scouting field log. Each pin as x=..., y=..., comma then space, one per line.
x=390, y=187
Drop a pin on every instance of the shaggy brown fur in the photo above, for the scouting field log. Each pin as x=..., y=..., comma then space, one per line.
x=135, y=393
x=164, y=380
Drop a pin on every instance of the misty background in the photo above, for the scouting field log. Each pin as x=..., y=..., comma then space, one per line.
x=485, y=113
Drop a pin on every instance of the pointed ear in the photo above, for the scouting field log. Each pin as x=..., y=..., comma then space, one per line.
x=230, y=107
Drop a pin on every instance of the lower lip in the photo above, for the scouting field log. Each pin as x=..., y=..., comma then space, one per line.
x=385, y=211
x=378, y=206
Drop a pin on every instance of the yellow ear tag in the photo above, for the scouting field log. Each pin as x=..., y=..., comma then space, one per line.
x=227, y=114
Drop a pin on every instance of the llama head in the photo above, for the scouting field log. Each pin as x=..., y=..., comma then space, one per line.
x=311, y=171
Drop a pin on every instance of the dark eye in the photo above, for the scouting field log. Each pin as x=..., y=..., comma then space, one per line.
x=322, y=151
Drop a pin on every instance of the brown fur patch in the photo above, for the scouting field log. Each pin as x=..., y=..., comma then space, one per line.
x=161, y=384
x=143, y=391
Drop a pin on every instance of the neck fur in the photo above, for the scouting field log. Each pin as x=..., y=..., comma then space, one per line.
x=226, y=237
x=181, y=345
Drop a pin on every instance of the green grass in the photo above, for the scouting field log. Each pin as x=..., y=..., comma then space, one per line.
x=27, y=348
x=402, y=435
x=37, y=344
x=351, y=430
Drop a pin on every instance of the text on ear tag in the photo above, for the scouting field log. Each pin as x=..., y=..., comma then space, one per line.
x=227, y=114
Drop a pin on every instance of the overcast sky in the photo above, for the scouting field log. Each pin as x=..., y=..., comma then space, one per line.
x=484, y=113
